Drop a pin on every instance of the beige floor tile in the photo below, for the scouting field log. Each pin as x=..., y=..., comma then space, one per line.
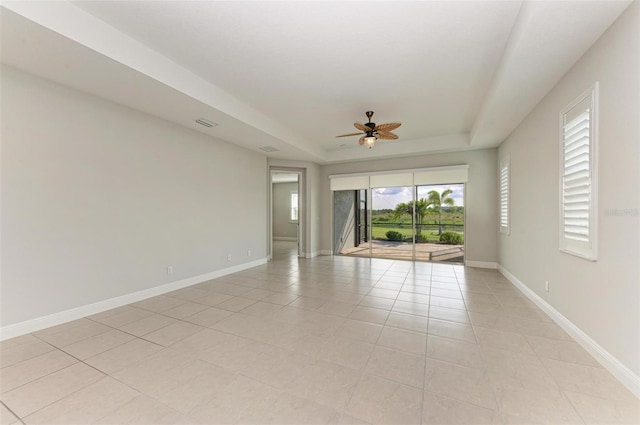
x=188, y=294
x=346, y=352
x=69, y=333
x=294, y=410
x=279, y=298
x=412, y=297
x=436, y=301
x=326, y=383
x=37, y=394
x=337, y=308
x=213, y=299
x=567, y=351
x=597, y=410
x=509, y=341
x=438, y=410
x=462, y=383
x=144, y=410
x=276, y=366
x=161, y=372
x=307, y=303
x=208, y=317
x=81, y=407
x=186, y=309
x=123, y=317
x=417, y=289
x=368, y=314
x=147, y=325
x=397, y=366
x=384, y=293
x=258, y=294
x=344, y=419
x=23, y=348
x=377, y=302
x=508, y=369
x=205, y=386
x=410, y=308
x=449, y=314
x=236, y=304
x=123, y=355
x=24, y=372
x=380, y=401
x=446, y=293
x=241, y=399
x=400, y=339
x=356, y=329
x=6, y=417
x=454, y=351
x=158, y=304
x=173, y=333
x=408, y=322
x=520, y=406
x=595, y=381
x=452, y=330
x=262, y=309
x=97, y=344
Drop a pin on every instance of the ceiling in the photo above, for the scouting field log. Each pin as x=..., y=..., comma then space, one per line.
x=293, y=75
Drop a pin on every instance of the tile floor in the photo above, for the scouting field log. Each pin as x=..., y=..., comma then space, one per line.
x=325, y=341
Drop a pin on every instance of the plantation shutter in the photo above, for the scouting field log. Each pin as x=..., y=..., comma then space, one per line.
x=577, y=186
x=504, y=196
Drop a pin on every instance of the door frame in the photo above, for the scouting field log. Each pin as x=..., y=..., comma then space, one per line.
x=302, y=213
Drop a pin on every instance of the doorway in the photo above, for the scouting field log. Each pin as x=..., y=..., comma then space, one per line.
x=286, y=214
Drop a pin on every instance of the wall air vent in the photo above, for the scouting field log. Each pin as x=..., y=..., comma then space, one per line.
x=269, y=149
x=206, y=123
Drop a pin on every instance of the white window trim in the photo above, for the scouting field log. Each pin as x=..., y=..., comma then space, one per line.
x=291, y=220
x=587, y=250
x=505, y=162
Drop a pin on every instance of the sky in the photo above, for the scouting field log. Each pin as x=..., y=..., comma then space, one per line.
x=389, y=197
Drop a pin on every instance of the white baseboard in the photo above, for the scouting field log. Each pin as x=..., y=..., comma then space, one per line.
x=481, y=264
x=284, y=238
x=33, y=325
x=609, y=362
x=326, y=252
x=310, y=254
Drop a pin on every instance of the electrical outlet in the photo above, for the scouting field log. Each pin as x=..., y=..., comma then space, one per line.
x=170, y=270
x=249, y=253
x=228, y=257
x=546, y=285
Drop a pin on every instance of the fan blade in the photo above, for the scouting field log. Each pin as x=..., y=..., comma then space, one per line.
x=387, y=127
x=350, y=134
x=361, y=141
x=361, y=127
x=386, y=136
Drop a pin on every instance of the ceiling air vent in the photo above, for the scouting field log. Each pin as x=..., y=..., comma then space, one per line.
x=206, y=123
x=269, y=149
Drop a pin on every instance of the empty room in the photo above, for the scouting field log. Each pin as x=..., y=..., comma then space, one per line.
x=353, y=212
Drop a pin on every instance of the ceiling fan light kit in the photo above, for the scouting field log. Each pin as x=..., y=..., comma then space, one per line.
x=370, y=132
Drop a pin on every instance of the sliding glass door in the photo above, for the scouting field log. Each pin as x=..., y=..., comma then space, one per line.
x=403, y=214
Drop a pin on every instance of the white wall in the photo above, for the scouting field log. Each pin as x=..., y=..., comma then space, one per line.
x=601, y=298
x=98, y=199
x=282, y=225
x=481, y=191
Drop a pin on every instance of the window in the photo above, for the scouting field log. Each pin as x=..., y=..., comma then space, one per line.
x=505, y=188
x=578, y=178
x=293, y=211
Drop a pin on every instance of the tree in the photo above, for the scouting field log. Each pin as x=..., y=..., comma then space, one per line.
x=406, y=208
x=436, y=200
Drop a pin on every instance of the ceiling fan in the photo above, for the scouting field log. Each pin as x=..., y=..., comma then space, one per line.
x=371, y=132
